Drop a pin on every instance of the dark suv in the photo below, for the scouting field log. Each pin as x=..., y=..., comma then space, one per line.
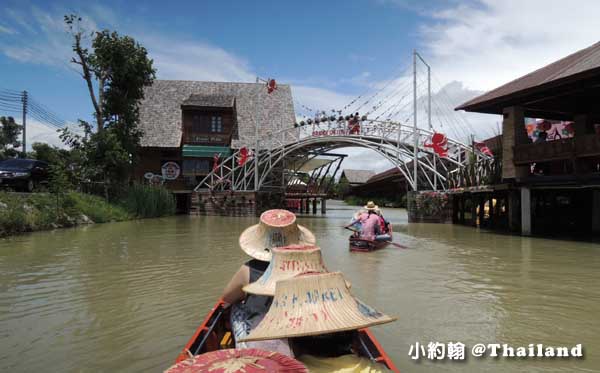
x=23, y=174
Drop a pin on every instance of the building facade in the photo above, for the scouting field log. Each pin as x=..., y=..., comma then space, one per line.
x=189, y=125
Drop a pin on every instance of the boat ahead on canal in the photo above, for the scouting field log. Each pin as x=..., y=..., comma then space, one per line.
x=215, y=334
x=361, y=245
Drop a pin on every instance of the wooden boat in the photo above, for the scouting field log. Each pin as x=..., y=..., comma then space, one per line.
x=215, y=333
x=360, y=244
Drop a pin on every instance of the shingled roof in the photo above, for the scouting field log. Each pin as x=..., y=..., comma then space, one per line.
x=357, y=176
x=219, y=101
x=579, y=65
x=160, y=111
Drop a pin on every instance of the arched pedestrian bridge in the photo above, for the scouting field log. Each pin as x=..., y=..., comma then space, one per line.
x=407, y=148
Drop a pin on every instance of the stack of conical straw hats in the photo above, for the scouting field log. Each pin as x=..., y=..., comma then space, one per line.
x=276, y=228
x=313, y=304
x=287, y=262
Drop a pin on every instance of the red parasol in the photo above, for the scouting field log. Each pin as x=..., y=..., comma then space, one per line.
x=243, y=361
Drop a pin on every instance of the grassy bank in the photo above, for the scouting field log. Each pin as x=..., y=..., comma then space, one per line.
x=21, y=213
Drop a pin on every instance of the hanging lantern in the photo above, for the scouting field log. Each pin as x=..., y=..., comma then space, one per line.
x=364, y=117
x=296, y=125
x=332, y=118
x=309, y=121
x=347, y=117
x=317, y=120
x=302, y=123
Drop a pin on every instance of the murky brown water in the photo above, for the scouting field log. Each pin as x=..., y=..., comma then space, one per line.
x=127, y=296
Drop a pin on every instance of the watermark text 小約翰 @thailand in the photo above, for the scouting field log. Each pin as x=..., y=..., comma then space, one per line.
x=458, y=351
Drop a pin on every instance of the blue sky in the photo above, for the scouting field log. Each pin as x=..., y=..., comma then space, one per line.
x=329, y=51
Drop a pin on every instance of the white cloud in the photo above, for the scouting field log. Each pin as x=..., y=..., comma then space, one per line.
x=40, y=132
x=7, y=30
x=489, y=43
x=196, y=61
x=318, y=99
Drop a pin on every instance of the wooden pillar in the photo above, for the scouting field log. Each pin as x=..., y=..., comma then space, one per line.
x=314, y=206
x=513, y=133
x=481, y=209
x=455, y=205
x=596, y=211
x=462, y=210
x=514, y=212
x=492, y=211
x=525, y=211
x=473, y=210
x=323, y=206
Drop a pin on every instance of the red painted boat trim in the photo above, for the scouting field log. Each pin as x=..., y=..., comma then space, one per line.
x=383, y=356
x=185, y=352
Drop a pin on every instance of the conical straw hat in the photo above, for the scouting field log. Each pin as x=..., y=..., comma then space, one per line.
x=313, y=304
x=239, y=361
x=276, y=228
x=287, y=262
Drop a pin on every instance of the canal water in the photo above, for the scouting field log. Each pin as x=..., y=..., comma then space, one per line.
x=127, y=296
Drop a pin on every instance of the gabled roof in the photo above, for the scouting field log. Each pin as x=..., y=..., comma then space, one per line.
x=357, y=176
x=577, y=66
x=160, y=111
x=219, y=101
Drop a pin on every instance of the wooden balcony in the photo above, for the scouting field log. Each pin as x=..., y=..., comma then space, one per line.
x=576, y=147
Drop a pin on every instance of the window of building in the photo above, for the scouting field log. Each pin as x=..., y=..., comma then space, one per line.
x=196, y=166
x=199, y=124
x=216, y=124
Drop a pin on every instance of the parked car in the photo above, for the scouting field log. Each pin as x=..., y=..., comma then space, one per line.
x=23, y=174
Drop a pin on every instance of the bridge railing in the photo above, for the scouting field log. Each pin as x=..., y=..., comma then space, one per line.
x=395, y=139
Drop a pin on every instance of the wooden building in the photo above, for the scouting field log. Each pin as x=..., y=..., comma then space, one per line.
x=355, y=178
x=186, y=123
x=549, y=186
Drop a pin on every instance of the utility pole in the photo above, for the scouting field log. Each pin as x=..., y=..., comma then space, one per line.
x=415, y=134
x=24, y=100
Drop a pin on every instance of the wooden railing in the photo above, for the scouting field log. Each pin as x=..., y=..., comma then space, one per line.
x=582, y=146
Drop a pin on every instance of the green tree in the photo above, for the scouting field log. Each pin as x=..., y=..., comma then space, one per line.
x=117, y=68
x=9, y=137
x=59, y=183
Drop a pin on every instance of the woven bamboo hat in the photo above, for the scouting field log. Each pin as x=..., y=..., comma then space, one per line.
x=287, y=262
x=250, y=360
x=276, y=228
x=371, y=206
x=313, y=304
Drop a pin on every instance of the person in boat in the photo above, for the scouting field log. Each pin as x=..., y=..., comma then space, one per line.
x=355, y=224
x=369, y=222
x=324, y=330
x=384, y=227
x=276, y=228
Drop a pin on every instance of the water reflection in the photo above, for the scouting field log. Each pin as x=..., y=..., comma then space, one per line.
x=127, y=296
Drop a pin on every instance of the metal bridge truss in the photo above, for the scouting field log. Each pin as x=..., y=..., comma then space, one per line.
x=392, y=140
